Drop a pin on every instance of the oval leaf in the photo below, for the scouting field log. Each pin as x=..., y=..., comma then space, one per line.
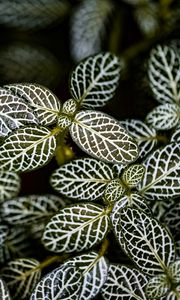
x=114, y=191
x=76, y=228
x=103, y=137
x=4, y=293
x=132, y=175
x=9, y=185
x=157, y=287
x=174, y=270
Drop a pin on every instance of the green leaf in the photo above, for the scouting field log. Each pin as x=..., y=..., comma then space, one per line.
x=164, y=74
x=174, y=271
x=9, y=185
x=162, y=176
x=4, y=293
x=30, y=209
x=88, y=27
x=114, y=191
x=132, y=175
x=44, y=103
x=124, y=283
x=94, y=269
x=164, y=117
x=14, y=112
x=76, y=228
x=94, y=81
x=176, y=135
x=27, y=149
x=62, y=283
x=82, y=179
x=102, y=137
x=149, y=244
x=173, y=295
x=157, y=287
x=21, y=276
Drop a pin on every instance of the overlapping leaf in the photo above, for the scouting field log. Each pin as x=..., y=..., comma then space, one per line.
x=114, y=191
x=176, y=135
x=132, y=175
x=21, y=276
x=157, y=287
x=95, y=80
x=76, y=228
x=4, y=293
x=162, y=176
x=174, y=271
x=173, y=295
x=164, y=117
x=29, y=209
x=149, y=244
x=9, y=185
x=44, y=103
x=82, y=179
x=159, y=208
x=62, y=283
x=27, y=149
x=14, y=112
x=124, y=283
x=103, y=137
x=164, y=74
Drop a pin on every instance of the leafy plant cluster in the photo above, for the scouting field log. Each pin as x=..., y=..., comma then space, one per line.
x=128, y=186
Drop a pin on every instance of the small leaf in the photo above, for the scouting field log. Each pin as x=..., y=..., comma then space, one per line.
x=21, y=276
x=114, y=191
x=4, y=293
x=9, y=185
x=82, y=179
x=94, y=81
x=62, y=283
x=157, y=287
x=27, y=149
x=162, y=175
x=149, y=244
x=76, y=228
x=44, y=103
x=132, y=175
x=164, y=117
x=164, y=75
x=103, y=137
x=174, y=271
x=124, y=283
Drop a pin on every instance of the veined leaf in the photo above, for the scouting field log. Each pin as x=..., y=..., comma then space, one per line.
x=162, y=175
x=82, y=179
x=114, y=191
x=4, y=293
x=157, y=287
x=30, y=209
x=132, y=175
x=145, y=136
x=44, y=103
x=173, y=295
x=176, y=135
x=159, y=208
x=21, y=276
x=62, y=283
x=9, y=185
x=26, y=149
x=171, y=218
x=174, y=270
x=3, y=234
x=94, y=269
x=102, y=137
x=94, y=81
x=76, y=228
x=117, y=170
x=14, y=112
x=149, y=244
x=88, y=27
x=164, y=117
x=164, y=74
x=124, y=283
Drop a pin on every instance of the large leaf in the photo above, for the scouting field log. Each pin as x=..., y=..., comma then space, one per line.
x=157, y=287
x=132, y=175
x=162, y=175
x=164, y=117
x=164, y=74
x=94, y=81
x=102, y=137
x=82, y=179
x=94, y=268
x=44, y=103
x=62, y=283
x=76, y=228
x=124, y=283
x=4, y=293
x=149, y=244
x=27, y=148
x=88, y=27
x=21, y=276
x=9, y=185
x=14, y=112
x=30, y=209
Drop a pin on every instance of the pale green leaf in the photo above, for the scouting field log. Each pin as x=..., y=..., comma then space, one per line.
x=102, y=137
x=114, y=191
x=82, y=179
x=149, y=244
x=76, y=228
x=173, y=295
x=27, y=149
x=94, y=81
x=132, y=175
x=4, y=293
x=9, y=185
x=162, y=175
x=157, y=287
x=174, y=271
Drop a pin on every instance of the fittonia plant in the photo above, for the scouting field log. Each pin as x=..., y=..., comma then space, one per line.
x=132, y=168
